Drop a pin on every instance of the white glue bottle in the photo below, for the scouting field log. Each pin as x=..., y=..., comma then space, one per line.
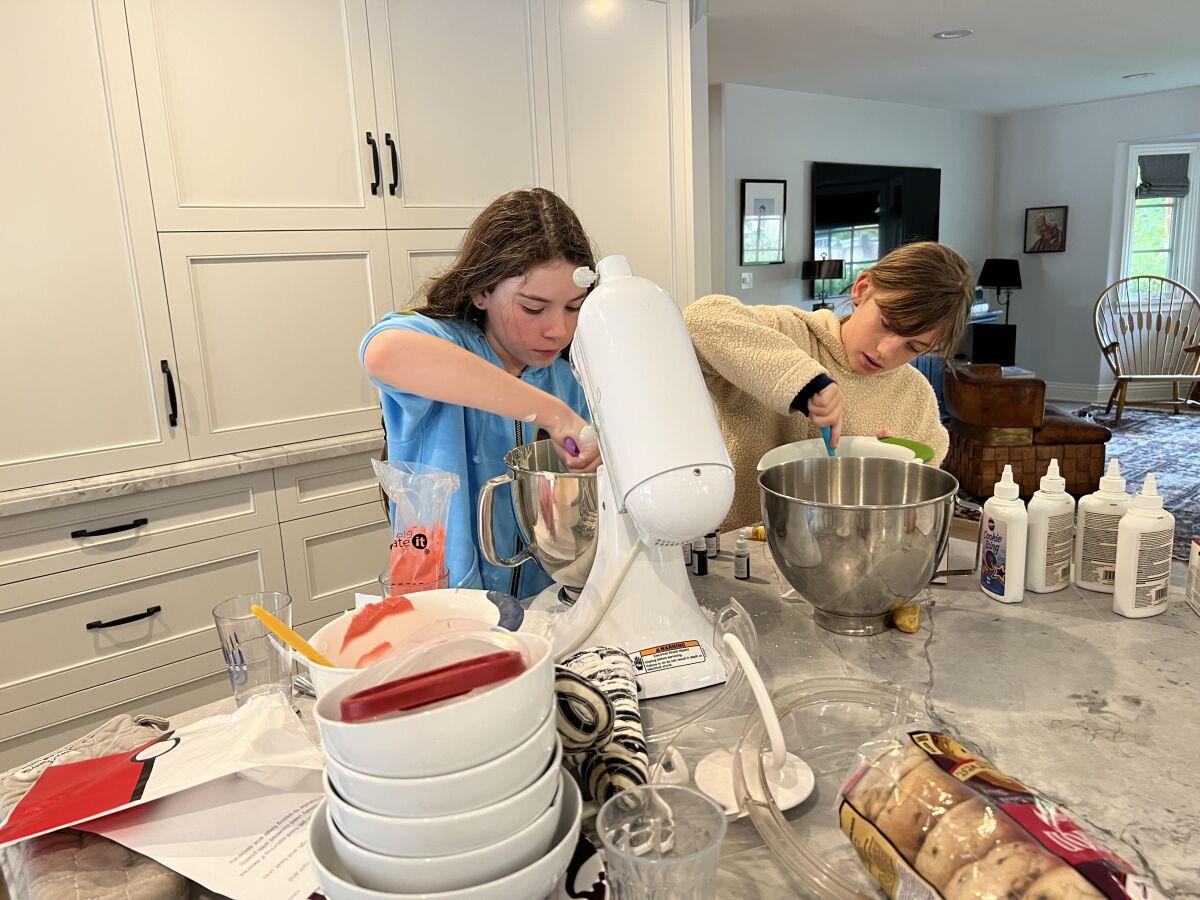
x=1051, y=535
x=1144, y=540
x=1096, y=531
x=1002, y=547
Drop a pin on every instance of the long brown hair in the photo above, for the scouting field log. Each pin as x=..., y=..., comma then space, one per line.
x=925, y=286
x=518, y=231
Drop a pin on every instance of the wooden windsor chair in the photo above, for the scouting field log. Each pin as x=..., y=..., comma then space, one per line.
x=1149, y=332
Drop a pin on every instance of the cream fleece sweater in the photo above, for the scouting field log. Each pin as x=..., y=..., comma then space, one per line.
x=756, y=359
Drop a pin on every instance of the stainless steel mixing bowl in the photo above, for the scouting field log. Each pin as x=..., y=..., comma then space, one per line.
x=855, y=536
x=556, y=514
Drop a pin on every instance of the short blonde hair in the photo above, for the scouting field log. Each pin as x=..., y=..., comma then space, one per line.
x=925, y=286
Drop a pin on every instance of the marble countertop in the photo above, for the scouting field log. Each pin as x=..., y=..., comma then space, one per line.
x=100, y=487
x=1093, y=710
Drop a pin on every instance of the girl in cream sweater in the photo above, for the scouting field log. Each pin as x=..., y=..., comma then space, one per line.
x=777, y=373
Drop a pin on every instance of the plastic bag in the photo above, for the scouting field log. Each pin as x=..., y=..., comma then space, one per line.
x=931, y=818
x=420, y=498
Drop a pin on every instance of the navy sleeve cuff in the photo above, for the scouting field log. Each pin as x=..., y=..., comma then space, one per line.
x=818, y=384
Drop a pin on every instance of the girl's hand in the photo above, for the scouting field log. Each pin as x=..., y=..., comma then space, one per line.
x=825, y=408
x=561, y=422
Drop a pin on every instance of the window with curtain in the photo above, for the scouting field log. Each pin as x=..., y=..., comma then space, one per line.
x=1160, y=228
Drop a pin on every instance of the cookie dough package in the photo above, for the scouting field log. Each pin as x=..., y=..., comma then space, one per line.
x=932, y=819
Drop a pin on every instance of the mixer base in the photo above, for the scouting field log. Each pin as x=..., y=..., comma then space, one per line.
x=854, y=625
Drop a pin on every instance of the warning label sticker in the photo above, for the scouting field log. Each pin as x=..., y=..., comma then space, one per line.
x=667, y=656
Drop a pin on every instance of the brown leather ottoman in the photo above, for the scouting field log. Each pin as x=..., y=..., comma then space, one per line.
x=997, y=421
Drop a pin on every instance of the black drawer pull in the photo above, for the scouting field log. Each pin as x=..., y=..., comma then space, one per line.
x=387, y=139
x=124, y=620
x=112, y=529
x=173, y=415
x=374, y=163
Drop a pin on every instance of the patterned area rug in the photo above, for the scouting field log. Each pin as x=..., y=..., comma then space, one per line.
x=1153, y=440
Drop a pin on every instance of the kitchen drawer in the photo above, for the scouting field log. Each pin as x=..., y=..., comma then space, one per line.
x=326, y=485
x=40, y=543
x=49, y=651
x=164, y=691
x=331, y=556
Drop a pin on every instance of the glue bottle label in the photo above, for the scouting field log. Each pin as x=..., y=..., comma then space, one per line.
x=992, y=568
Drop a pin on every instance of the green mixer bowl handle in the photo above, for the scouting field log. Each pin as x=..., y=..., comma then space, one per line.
x=923, y=451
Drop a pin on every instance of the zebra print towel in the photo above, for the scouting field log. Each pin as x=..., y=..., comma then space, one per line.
x=619, y=762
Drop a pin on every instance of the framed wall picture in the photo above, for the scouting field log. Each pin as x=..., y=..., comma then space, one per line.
x=1046, y=229
x=764, y=208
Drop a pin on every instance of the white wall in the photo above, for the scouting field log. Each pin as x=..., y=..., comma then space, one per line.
x=1074, y=156
x=768, y=133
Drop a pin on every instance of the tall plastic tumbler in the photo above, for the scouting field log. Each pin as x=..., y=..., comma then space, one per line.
x=257, y=661
x=661, y=842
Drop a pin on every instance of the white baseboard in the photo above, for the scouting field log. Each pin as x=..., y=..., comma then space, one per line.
x=1067, y=392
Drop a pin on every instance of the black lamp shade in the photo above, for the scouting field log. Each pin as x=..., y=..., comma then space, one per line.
x=811, y=269
x=1001, y=274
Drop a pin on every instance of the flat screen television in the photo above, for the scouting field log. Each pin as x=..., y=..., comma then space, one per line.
x=861, y=212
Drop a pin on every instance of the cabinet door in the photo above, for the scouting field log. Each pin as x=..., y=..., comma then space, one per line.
x=332, y=556
x=633, y=196
x=464, y=106
x=256, y=115
x=267, y=327
x=85, y=327
x=417, y=256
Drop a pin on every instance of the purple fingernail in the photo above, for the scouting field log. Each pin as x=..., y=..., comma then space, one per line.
x=571, y=446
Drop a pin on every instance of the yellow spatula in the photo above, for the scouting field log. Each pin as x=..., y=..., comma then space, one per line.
x=290, y=637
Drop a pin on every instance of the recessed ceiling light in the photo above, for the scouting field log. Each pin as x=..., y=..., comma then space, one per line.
x=1139, y=75
x=951, y=33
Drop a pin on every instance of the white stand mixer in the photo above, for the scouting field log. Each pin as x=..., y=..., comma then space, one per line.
x=666, y=479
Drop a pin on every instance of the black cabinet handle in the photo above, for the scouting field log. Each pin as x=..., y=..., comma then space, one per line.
x=124, y=620
x=173, y=415
x=374, y=162
x=387, y=139
x=129, y=526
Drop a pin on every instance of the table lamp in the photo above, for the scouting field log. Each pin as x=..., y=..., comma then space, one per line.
x=1003, y=275
x=821, y=271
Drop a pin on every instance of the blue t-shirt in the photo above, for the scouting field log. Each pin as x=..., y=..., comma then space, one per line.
x=471, y=443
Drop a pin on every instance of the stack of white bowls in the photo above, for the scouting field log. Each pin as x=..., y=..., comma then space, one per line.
x=466, y=799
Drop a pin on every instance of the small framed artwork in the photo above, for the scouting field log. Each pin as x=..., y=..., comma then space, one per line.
x=764, y=208
x=1046, y=229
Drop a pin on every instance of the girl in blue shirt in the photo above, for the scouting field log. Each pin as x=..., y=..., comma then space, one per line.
x=484, y=359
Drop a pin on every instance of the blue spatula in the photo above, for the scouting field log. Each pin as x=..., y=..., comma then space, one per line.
x=827, y=436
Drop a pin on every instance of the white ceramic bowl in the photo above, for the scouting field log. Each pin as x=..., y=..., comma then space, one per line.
x=537, y=879
x=456, y=792
x=447, y=737
x=444, y=835
x=454, y=871
x=444, y=604
x=847, y=446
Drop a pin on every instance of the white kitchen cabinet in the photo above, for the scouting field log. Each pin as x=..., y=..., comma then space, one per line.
x=416, y=256
x=267, y=327
x=620, y=83
x=84, y=534
x=462, y=99
x=85, y=345
x=258, y=115
x=102, y=623
x=326, y=485
x=332, y=556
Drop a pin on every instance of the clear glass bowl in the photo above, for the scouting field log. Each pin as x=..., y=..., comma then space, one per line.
x=824, y=722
